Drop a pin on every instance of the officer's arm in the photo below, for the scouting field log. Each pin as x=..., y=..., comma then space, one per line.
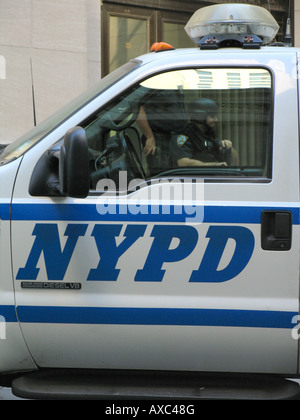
x=193, y=162
x=143, y=124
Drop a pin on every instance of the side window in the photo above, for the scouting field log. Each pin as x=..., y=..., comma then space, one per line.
x=197, y=122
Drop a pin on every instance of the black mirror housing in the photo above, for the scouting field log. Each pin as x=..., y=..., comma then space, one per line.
x=74, y=173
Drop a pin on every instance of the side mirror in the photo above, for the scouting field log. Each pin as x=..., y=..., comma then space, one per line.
x=74, y=173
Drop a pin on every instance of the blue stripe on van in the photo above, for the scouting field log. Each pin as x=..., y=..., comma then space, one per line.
x=8, y=313
x=156, y=316
x=5, y=211
x=179, y=214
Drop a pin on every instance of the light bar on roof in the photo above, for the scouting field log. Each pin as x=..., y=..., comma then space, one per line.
x=234, y=20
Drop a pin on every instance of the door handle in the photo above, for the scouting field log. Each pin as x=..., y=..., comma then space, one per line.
x=276, y=230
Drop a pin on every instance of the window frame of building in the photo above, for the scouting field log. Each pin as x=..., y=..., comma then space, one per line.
x=155, y=21
x=112, y=10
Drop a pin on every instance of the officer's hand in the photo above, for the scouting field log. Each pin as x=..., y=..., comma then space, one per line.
x=226, y=144
x=150, y=146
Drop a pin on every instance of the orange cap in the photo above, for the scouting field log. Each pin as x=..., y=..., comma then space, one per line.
x=161, y=46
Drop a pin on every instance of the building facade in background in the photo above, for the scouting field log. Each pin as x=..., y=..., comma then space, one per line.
x=132, y=26
x=52, y=50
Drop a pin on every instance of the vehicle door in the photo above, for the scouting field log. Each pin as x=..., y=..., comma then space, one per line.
x=166, y=266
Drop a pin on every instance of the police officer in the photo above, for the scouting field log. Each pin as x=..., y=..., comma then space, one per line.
x=197, y=144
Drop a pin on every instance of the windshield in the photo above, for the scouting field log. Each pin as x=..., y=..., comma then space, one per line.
x=24, y=143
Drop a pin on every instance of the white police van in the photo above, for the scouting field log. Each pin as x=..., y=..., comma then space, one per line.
x=124, y=256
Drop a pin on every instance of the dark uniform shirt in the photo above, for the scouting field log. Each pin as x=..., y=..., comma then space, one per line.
x=165, y=115
x=192, y=143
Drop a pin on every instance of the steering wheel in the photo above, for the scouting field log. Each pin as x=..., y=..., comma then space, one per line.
x=128, y=161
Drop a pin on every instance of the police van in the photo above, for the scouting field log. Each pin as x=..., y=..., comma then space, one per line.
x=150, y=229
